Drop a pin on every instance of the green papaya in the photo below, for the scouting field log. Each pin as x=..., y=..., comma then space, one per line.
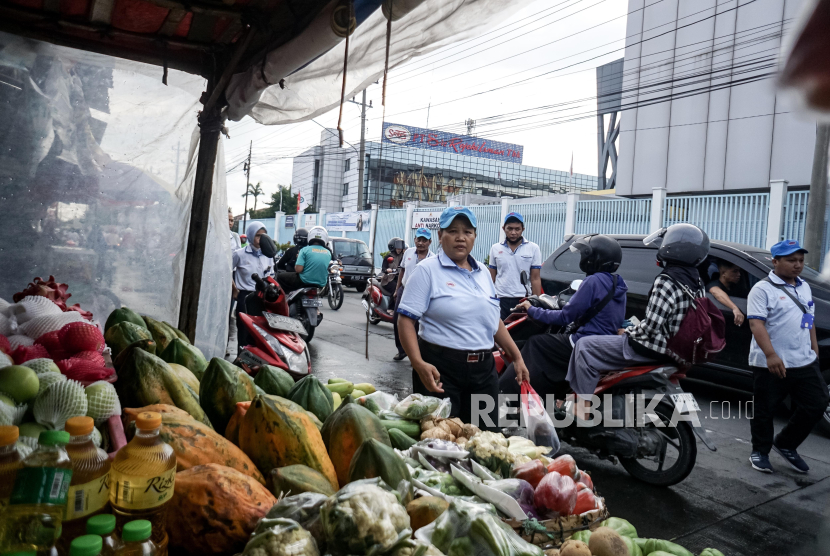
x=400, y=439
x=221, y=387
x=188, y=356
x=122, y=334
x=147, y=345
x=124, y=314
x=274, y=381
x=181, y=335
x=410, y=428
x=310, y=394
x=342, y=388
x=296, y=479
x=161, y=333
x=376, y=459
x=145, y=379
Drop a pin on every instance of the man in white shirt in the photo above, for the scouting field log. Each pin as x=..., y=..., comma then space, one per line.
x=509, y=259
x=409, y=260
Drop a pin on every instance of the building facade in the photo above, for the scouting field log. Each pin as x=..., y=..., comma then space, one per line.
x=440, y=167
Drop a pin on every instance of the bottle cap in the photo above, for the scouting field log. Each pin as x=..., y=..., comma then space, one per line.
x=79, y=426
x=148, y=420
x=136, y=531
x=86, y=545
x=53, y=438
x=102, y=524
x=8, y=435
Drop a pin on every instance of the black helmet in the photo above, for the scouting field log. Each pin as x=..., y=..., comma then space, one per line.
x=680, y=244
x=268, y=246
x=396, y=243
x=301, y=237
x=598, y=253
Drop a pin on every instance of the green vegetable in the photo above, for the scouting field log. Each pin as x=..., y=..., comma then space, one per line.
x=491, y=532
x=633, y=549
x=583, y=536
x=711, y=552
x=409, y=428
x=621, y=526
x=461, y=546
x=336, y=380
x=660, y=553
x=371, y=405
x=657, y=545
x=416, y=406
x=342, y=388
x=400, y=440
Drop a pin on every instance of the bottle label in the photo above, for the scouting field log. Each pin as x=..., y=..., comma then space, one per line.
x=140, y=493
x=41, y=485
x=88, y=498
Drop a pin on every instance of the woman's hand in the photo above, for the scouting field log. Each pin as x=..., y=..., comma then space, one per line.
x=524, y=306
x=429, y=375
x=522, y=374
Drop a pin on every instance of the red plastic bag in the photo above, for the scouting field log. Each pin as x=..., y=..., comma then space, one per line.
x=564, y=465
x=585, y=502
x=532, y=472
x=539, y=425
x=556, y=493
x=585, y=479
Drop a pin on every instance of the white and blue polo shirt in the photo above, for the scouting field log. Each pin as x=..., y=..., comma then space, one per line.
x=247, y=262
x=456, y=308
x=409, y=261
x=509, y=265
x=782, y=318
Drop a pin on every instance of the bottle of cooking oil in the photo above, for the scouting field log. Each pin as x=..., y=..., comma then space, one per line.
x=136, y=537
x=104, y=525
x=142, y=478
x=10, y=462
x=32, y=520
x=90, y=489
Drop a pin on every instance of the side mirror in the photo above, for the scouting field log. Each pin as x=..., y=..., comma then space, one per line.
x=268, y=246
x=523, y=277
x=575, y=284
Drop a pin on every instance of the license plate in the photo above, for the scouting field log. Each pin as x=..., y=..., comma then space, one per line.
x=685, y=402
x=279, y=322
x=250, y=359
x=313, y=302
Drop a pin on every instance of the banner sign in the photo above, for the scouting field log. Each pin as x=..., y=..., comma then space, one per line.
x=348, y=221
x=426, y=219
x=309, y=220
x=289, y=221
x=409, y=136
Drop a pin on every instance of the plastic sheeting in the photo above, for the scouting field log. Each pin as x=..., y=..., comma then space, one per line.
x=315, y=89
x=97, y=160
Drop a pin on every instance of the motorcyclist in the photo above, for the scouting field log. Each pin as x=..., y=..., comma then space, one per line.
x=289, y=258
x=312, y=266
x=588, y=313
x=390, y=264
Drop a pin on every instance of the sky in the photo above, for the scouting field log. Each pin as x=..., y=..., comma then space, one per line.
x=536, y=59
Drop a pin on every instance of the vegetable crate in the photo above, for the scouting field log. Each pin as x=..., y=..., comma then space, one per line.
x=559, y=529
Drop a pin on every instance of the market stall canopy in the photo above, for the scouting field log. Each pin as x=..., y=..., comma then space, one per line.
x=807, y=57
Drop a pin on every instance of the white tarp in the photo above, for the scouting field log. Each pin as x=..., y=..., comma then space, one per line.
x=316, y=88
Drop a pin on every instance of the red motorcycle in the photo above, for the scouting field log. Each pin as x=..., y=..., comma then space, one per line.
x=377, y=302
x=276, y=335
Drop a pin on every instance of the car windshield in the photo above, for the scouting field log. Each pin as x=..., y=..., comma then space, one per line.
x=351, y=249
x=808, y=274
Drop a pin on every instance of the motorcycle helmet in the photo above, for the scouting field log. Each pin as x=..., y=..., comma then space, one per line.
x=680, y=244
x=318, y=236
x=301, y=237
x=268, y=246
x=598, y=253
x=396, y=243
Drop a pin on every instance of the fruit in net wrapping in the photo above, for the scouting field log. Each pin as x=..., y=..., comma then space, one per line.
x=92, y=356
x=5, y=360
x=27, y=353
x=39, y=326
x=33, y=306
x=17, y=340
x=83, y=370
x=5, y=346
x=29, y=433
x=19, y=382
x=81, y=336
x=10, y=412
x=102, y=401
x=556, y=493
x=5, y=327
x=59, y=402
x=42, y=365
x=48, y=379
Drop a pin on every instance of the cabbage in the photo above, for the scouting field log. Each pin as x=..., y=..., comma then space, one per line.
x=519, y=490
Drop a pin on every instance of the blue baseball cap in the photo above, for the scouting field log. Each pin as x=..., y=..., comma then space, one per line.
x=449, y=215
x=423, y=232
x=786, y=247
x=515, y=216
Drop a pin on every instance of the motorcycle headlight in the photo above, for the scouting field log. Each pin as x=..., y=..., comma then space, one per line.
x=298, y=362
x=275, y=345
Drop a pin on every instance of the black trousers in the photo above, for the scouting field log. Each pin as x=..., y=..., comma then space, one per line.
x=507, y=303
x=808, y=392
x=241, y=332
x=289, y=281
x=546, y=357
x=398, y=344
x=460, y=380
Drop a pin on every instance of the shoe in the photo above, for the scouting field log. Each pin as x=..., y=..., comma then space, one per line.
x=793, y=459
x=760, y=462
x=399, y=357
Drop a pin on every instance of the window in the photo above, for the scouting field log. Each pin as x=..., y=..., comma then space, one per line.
x=347, y=164
x=345, y=189
x=351, y=249
x=639, y=265
x=568, y=261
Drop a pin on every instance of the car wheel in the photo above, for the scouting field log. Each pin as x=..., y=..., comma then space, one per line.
x=361, y=287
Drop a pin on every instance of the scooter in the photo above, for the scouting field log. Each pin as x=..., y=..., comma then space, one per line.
x=334, y=286
x=277, y=336
x=377, y=302
x=303, y=305
x=648, y=423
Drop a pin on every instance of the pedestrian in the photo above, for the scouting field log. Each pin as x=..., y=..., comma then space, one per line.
x=509, y=259
x=410, y=259
x=235, y=243
x=455, y=302
x=783, y=356
x=249, y=261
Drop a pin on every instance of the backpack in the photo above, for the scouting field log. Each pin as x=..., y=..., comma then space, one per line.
x=702, y=332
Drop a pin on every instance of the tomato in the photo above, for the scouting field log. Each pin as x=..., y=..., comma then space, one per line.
x=585, y=502
x=585, y=479
x=532, y=472
x=564, y=465
x=556, y=493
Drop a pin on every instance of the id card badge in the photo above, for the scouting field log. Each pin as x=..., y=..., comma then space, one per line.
x=807, y=321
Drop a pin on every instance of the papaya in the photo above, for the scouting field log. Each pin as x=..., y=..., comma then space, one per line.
x=376, y=459
x=309, y=393
x=214, y=510
x=124, y=314
x=121, y=335
x=410, y=428
x=145, y=379
x=181, y=335
x=346, y=430
x=341, y=388
x=130, y=413
x=182, y=353
x=222, y=386
x=276, y=432
x=274, y=381
x=400, y=439
x=161, y=333
x=296, y=479
x=232, y=430
x=186, y=376
x=196, y=444
x=317, y=422
x=147, y=345
x=365, y=387
x=425, y=510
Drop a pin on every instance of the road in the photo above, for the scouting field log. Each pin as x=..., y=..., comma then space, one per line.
x=724, y=503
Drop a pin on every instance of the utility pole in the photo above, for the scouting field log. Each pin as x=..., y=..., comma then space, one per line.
x=362, y=160
x=247, y=185
x=817, y=206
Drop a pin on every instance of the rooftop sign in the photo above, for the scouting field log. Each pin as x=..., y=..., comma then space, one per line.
x=409, y=136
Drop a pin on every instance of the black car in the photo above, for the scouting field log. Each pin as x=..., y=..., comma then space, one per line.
x=356, y=260
x=639, y=268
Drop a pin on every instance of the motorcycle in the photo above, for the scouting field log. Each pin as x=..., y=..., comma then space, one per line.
x=334, y=286
x=377, y=302
x=658, y=445
x=277, y=336
x=303, y=305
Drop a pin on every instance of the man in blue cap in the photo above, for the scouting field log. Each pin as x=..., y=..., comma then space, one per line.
x=784, y=358
x=411, y=258
x=509, y=259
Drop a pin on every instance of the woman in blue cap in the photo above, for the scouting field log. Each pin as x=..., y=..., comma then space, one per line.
x=453, y=299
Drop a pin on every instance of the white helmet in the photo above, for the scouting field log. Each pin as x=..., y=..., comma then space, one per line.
x=318, y=234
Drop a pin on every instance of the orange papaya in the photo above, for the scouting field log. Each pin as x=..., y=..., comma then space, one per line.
x=344, y=432
x=232, y=431
x=221, y=387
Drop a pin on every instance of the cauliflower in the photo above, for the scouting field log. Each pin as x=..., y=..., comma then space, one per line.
x=280, y=537
x=363, y=515
x=491, y=450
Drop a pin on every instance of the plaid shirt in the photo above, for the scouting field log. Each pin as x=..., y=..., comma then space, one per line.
x=667, y=305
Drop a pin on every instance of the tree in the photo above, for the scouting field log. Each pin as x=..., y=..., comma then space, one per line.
x=289, y=203
x=254, y=191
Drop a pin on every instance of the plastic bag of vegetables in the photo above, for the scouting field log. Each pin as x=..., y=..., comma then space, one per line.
x=280, y=537
x=443, y=482
x=412, y=547
x=415, y=406
x=364, y=517
x=303, y=508
x=491, y=449
x=378, y=401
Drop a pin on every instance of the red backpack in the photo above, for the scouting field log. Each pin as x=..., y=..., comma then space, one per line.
x=702, y=332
